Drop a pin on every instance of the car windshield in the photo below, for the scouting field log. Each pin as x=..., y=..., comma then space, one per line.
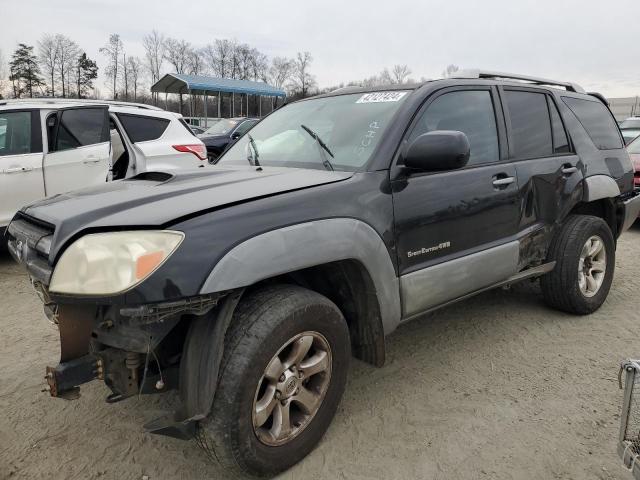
x=338, y=132
x=221, y=127
x=634, y=147
x=631, y=123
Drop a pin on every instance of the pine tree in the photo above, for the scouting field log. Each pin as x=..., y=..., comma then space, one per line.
x=24, y=72
x=86, y=73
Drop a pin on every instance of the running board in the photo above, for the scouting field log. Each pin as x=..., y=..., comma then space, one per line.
x=518, y=277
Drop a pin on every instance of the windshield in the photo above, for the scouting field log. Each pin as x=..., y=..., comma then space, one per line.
x=634, y=147
x=221, y=127
x=343, y=129
x=631, y=123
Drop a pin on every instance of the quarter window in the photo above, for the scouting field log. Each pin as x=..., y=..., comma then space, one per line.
x=467, y=111
x=81, y=127
x=15, y=133
x=143, y=129
x=560, y=140
x=530, y=124
x=597, y=121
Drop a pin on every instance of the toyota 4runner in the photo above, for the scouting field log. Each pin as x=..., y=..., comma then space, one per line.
x=248, y=286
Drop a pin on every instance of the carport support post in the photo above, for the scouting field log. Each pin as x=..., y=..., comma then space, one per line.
x=233, y=104
x=219, y=99
x=205, y=109
x=260, y=108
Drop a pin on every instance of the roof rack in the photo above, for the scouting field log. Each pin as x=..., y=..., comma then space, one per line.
x=55, y=101
x=476, y=73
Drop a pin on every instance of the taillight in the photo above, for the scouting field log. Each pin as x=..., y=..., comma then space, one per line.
x=199, y=151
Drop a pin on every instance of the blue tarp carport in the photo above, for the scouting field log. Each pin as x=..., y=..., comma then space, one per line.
x=179, y=83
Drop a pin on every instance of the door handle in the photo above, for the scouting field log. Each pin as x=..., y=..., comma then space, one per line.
x=503, y=181
x=90, y=160
x=569, y=169
x=17, y=170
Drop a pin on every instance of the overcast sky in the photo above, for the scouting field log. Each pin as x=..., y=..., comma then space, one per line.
x=591, y=42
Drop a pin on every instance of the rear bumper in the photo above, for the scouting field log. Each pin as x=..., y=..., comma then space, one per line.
x=631, y=211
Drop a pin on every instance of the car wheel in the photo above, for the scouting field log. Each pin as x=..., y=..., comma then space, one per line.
x=283, y=372
x=584, y=252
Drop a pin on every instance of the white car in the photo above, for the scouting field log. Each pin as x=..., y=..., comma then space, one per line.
x=50, y=146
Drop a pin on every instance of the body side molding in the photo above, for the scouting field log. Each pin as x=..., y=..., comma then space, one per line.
x=600, y=186
x=306, y=245
x=432, y=286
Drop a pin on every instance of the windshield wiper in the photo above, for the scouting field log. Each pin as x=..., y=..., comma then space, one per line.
x=323, y=147
x=255, y=155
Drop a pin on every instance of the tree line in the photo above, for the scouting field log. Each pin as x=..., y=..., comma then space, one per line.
x=58, y=67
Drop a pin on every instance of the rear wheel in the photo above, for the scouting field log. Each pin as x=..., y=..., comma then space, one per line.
x=282, y=376
x=584, y=252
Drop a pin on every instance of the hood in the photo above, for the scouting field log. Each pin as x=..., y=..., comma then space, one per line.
x=159, y=198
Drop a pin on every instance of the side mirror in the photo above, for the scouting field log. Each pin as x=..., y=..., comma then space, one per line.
x=438, y=150
x=235, y=135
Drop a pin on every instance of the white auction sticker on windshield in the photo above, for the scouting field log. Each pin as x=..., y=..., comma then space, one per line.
x=379, y=97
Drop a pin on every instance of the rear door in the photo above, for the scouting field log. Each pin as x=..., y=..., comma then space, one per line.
x=21, y=179
x=155, y=140
x=456, y=230
x=79, y=153
x=547, y=167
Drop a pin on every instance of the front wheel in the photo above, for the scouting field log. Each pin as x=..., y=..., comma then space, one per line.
x=584, y=252
x=282, y=376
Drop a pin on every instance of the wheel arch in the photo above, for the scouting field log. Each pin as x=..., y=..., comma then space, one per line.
x=343, y=258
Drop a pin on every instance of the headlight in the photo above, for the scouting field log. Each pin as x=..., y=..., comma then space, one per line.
x=110, y=263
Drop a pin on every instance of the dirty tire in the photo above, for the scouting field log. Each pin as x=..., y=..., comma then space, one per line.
x=263, y=322
x=560, y=287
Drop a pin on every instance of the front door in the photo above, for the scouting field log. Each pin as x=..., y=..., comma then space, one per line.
x=456, y=230
x=21, y=179
x=79, y=149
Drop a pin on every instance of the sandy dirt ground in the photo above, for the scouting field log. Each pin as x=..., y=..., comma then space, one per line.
x=496, y=387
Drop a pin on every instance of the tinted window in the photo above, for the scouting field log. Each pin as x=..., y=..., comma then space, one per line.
x=244, y=128
x=560, y=140
x=142, y=129
x=15, y=133
x=530, y=125
x=467, y=111
x=81, y=127
x=597, y=121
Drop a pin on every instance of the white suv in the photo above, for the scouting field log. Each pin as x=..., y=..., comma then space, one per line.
x=50, y=146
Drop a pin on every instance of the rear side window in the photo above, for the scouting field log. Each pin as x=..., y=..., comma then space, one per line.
x=81, y=127
x=467, y=111
x=244, y=128
x=15, y=133
x=143, y=129
x=560, y=140
x=530, y=124
x=597, y=121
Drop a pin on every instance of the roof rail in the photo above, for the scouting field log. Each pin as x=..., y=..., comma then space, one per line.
x=476, y=73
x=88, y=101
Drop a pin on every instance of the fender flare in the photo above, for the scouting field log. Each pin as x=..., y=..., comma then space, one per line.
x=598, y=187
x=307, y=245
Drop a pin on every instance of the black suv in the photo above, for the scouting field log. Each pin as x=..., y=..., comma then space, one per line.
x=248, y=285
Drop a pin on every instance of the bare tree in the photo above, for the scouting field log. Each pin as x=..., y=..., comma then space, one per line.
x=134, y=73
x=280, y=71
x=400, y=73
x=4, y=73
x=48, y=58
x=124, y=76
x=178, y=53
x=154, y=49
x=196, y=63
x=112, y=51
x=217, y=56
x=302, y=80
x=68, y=53
x=450, y=70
